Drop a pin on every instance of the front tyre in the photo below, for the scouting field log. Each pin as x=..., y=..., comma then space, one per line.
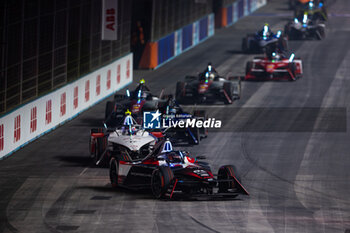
x=162, y=179
x=113, y=172
x=227, y=173
x=228, y=92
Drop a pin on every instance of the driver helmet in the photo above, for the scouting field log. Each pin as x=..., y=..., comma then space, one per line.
x=209, y=67
x=275, y=56
x=266, y=30
x=172, y=157
x=311, y=4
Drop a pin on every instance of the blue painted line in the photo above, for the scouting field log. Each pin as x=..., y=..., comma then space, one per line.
x=63, y=122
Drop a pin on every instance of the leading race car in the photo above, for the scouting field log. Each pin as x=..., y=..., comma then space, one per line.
x=264, y=40
x=130, y=139
x=168, y=172
x=137, y=101
x=274, y=67
x=209, y=86
x=305, y=28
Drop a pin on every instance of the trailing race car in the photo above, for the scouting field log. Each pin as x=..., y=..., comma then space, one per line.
x=305, y=28
x=128, y=140
x=274, y=67
x=208, y=86
x=263, y=40
x=295, y=4
x=315, y=9
x=138, y=101
x=168, y=172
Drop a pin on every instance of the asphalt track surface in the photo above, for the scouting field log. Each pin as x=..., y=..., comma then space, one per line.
x=294, y=161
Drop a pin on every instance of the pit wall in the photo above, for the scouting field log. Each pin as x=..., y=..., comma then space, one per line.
x=230, y=14
x=34, y=119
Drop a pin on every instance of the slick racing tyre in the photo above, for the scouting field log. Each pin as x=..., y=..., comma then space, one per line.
x=161, y=181
x=180, y=91
x=228, y=89
x=202, y=115
x=293, y=69
x=109, y=108
x=248, y=67
x=113, y=172
x=227, y=173
x=320, y=33
x=245, y=47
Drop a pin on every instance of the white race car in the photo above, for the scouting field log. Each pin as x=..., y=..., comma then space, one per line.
x=130, y=140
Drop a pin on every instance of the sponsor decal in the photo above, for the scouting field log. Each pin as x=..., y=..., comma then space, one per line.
x=155, y=120
x=151, y=120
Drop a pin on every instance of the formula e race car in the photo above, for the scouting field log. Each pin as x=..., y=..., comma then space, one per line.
x=297, y=4
x=172, y=114
x=305, y=28
x=130, y=139
x=137, y=101
x=264, y=39
x=274, y=67
x=315, y=9
x=208, y=86
x=168, y=173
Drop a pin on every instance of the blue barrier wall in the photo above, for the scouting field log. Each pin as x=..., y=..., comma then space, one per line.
x=187, y=33
x=230, y=14
x=166, y=48
x=203, y=28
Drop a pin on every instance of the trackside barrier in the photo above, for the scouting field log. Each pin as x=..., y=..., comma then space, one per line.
x=42, y=115
x=163, y=50
x=230, y=14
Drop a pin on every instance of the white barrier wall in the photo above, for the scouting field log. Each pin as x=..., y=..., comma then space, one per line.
x=38, y=117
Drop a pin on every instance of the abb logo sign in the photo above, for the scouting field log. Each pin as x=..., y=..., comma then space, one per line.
x=87, y=90
x=118, y=74
x=17, y=129
x=109, y=19
x=108, y=79
x=98, y=85
x=75, y=99
x=33, y=120
x=2, y=137
x=63, y=104
x=128, y=69
x=48, y=116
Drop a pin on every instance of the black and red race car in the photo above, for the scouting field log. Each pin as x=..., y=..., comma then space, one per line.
x=274, y=67
x=208, y=86
x=168, y=172
x=137, y=101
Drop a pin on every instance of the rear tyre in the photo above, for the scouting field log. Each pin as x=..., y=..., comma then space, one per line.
x=227, y=173
x=96, y=155
x=180, y=91
x=109, y=109
x=228, y=89
x=162, y=178
x=113, y=172
x=245, y=47
x=248, y=67
x=293, y=69
x=320, y=33
x=202, y=115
